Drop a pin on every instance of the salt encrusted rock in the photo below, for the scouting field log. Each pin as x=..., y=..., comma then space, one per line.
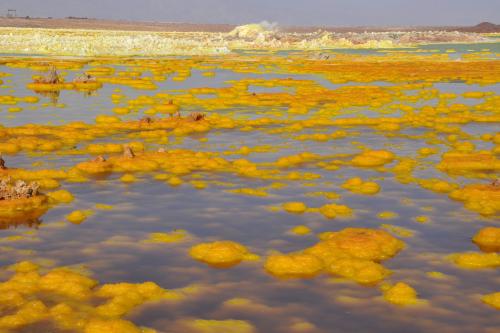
x=99, y=158
x=196, y=116
x=146, y=120
x=52, y=77
x=128, y=152
x=84, y=78
x=20, y=190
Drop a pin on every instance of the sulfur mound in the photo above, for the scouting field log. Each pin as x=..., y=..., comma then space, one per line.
x=97, y=165
x=363, y=243
x=67, y=298
x=373, y=158
x=472, y=260
x=20, y=201
x=361, y=271
x=331, y=211
x=301, y=230
x=458, y=163
x=401, y=294
x=488, y=239
x=294, y=207
x=221, y=253
x=492, y=299
x=357, y=185
x=352, y=253
x=293, y=265
x=76, y=217
x=483, y=199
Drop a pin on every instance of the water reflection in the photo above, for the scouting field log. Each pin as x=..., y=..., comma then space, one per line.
x=16, y=223
x=53, y=96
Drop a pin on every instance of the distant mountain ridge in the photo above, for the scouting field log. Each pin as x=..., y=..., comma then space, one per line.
x=100, y=24
x=483, y=27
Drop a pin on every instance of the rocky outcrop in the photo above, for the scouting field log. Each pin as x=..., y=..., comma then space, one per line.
x=19, y=190
x=52, y=77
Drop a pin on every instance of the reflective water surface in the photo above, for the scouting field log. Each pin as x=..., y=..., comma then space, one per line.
x=301, y=99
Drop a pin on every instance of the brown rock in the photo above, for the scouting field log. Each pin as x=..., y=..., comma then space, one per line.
x=128, y=152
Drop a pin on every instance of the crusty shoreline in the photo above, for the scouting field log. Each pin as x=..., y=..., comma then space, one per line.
x=78, y=41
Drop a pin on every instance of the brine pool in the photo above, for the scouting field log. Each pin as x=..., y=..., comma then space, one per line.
x=301, y=105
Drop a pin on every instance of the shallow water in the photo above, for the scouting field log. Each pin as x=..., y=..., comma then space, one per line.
x=108, y=243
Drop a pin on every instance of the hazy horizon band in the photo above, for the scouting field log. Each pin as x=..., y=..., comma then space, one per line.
x=290, y=12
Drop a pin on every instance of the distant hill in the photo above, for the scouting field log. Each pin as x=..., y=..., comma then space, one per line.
x=484, y=27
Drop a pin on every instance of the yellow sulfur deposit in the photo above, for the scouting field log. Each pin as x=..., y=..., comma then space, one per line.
x=468, y=163
x=293, y=265
x=95, y=167
x=111, y=326
x=387, y=215
x=361, y=271
x=400, y=231
x=76, y=216
x=23, y=209
x=174, y=181
x=333, y=210
x=437, y=275
x=123, y=297
x=473, y=260
x=25, y=296
x=295, y=207
x=61, y=196
x=48, y=184
x=488, y=239
x=401, y=294
x=373, y=158
x=357, y=185
x=250, y=191
x=103, y=206
x=216, y=326
x=422, y=219
x=221, y=253
x=351, y=253
x=361, y=243
x=437, y=185
x=128, y=178
x=492, y=300
x=167, y=237
x=301, y=230
x=484, y=199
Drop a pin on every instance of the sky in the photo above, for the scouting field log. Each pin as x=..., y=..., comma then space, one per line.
x=284, y=12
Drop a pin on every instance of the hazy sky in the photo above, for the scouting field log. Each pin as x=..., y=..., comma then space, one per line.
x=287, y=12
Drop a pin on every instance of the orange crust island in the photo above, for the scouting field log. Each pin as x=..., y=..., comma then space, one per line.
x=19, y=211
